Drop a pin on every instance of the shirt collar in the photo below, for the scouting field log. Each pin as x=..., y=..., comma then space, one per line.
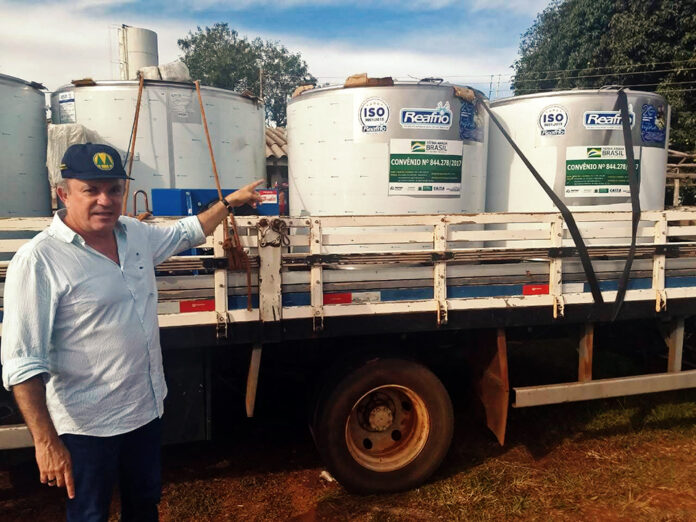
x=63, y=232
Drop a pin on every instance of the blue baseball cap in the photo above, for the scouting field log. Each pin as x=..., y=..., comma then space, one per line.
x=92, y=161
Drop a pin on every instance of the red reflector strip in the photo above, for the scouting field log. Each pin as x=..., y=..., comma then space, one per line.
x=199, y=305
x=535, y=289
x=344, y=298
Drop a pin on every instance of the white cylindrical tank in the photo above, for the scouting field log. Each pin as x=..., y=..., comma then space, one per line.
x=137, y=49
x=171, y=149
x=575, y=141
x=410, y=148
x=25, y=189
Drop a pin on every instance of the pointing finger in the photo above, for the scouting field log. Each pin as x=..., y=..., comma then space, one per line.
x=69, y=483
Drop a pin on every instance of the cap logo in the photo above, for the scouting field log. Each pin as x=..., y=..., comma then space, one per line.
x=103, y=161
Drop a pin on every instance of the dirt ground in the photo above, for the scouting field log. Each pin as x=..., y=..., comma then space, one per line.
x=619, y=459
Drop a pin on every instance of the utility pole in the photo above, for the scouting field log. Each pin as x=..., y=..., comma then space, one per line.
x=490, y=87
x=261, y=82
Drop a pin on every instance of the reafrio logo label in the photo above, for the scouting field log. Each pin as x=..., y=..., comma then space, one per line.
x=439, y=117
x=606, y=120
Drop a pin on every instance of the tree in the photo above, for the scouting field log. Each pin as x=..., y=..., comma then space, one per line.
x=643, y=44
x=219, y=57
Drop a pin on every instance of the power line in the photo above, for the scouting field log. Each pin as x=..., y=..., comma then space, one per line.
x=511, y=75
x=666, y=84
x=591, y=87
x=691, y=60
x=600, y=75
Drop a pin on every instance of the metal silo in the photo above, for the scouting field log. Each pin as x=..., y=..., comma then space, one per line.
x=171, y=149
x=25, y=189
x=406, y=148
x=575, y=141
x=137, y=48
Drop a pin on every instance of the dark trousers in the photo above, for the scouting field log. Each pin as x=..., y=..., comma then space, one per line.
x=131, y=460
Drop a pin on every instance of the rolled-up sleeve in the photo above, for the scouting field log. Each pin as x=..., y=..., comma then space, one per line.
x=168, y=241
x=29, y=304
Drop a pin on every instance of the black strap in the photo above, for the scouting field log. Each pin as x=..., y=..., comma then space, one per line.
x=567, y=215
x=634, y=185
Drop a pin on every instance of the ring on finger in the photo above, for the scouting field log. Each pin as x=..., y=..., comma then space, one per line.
x=52, y=482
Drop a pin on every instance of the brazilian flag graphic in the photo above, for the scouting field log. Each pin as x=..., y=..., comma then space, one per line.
x=594, y=152
x=417, y=146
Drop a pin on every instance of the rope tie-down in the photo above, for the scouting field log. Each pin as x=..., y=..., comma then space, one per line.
x=130, y=153
x=237, y=258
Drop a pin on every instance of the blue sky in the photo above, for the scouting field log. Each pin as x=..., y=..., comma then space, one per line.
x=464, y=41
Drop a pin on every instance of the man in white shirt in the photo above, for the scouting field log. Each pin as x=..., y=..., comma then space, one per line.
x=80, y=345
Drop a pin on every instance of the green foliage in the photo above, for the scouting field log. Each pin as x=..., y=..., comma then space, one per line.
x=643, y=44
x=219, y=57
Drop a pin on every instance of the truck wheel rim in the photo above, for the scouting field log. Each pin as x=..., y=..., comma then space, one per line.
x=387, y=428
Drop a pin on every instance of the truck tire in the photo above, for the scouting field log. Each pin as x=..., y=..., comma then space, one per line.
x=384, y=427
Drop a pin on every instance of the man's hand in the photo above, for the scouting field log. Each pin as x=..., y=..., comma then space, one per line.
x=246, y=194
x=53, y=458
x=55, y=465
x=216, y=213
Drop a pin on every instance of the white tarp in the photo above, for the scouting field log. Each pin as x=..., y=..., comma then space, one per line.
x=60, y=137
x=175, y=71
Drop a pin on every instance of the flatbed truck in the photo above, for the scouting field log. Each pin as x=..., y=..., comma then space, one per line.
x=381, y=418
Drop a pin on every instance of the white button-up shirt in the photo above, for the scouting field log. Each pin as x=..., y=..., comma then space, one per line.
x=90, y=325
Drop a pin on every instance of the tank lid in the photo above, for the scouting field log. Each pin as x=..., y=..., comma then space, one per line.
x=158, y=83
x=13, y=79
x=572, y=92
x=426, y=83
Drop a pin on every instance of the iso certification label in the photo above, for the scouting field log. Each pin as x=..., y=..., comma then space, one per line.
x=553, y=121
x=374, y=115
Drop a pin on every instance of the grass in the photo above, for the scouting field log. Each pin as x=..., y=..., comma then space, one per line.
x=620, y=459
x=631, y=458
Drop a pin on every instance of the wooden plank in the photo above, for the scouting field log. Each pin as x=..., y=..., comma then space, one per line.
x=252, y=380
x=366, y=237
x=253, y=241
x=270, y=282
x=252, y=221
x=15, y=436
x=34, y=224
x=315, y=278
x=556, y=268
x=38, y=224
x=498, y=235
x=659, y=265
x=611, y=231
x=432, y=220
x=189, y=319
x=220, y=276
x=585, y=352
x=689, y=230
x=672, y=215
x=440, y=273
x=348, y=310
x=675, y=343
x=12, y=245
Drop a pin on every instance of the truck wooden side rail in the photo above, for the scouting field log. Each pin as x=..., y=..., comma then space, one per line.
x=386, y=424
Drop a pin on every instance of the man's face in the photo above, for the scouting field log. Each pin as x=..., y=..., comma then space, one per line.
x=93, y=205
